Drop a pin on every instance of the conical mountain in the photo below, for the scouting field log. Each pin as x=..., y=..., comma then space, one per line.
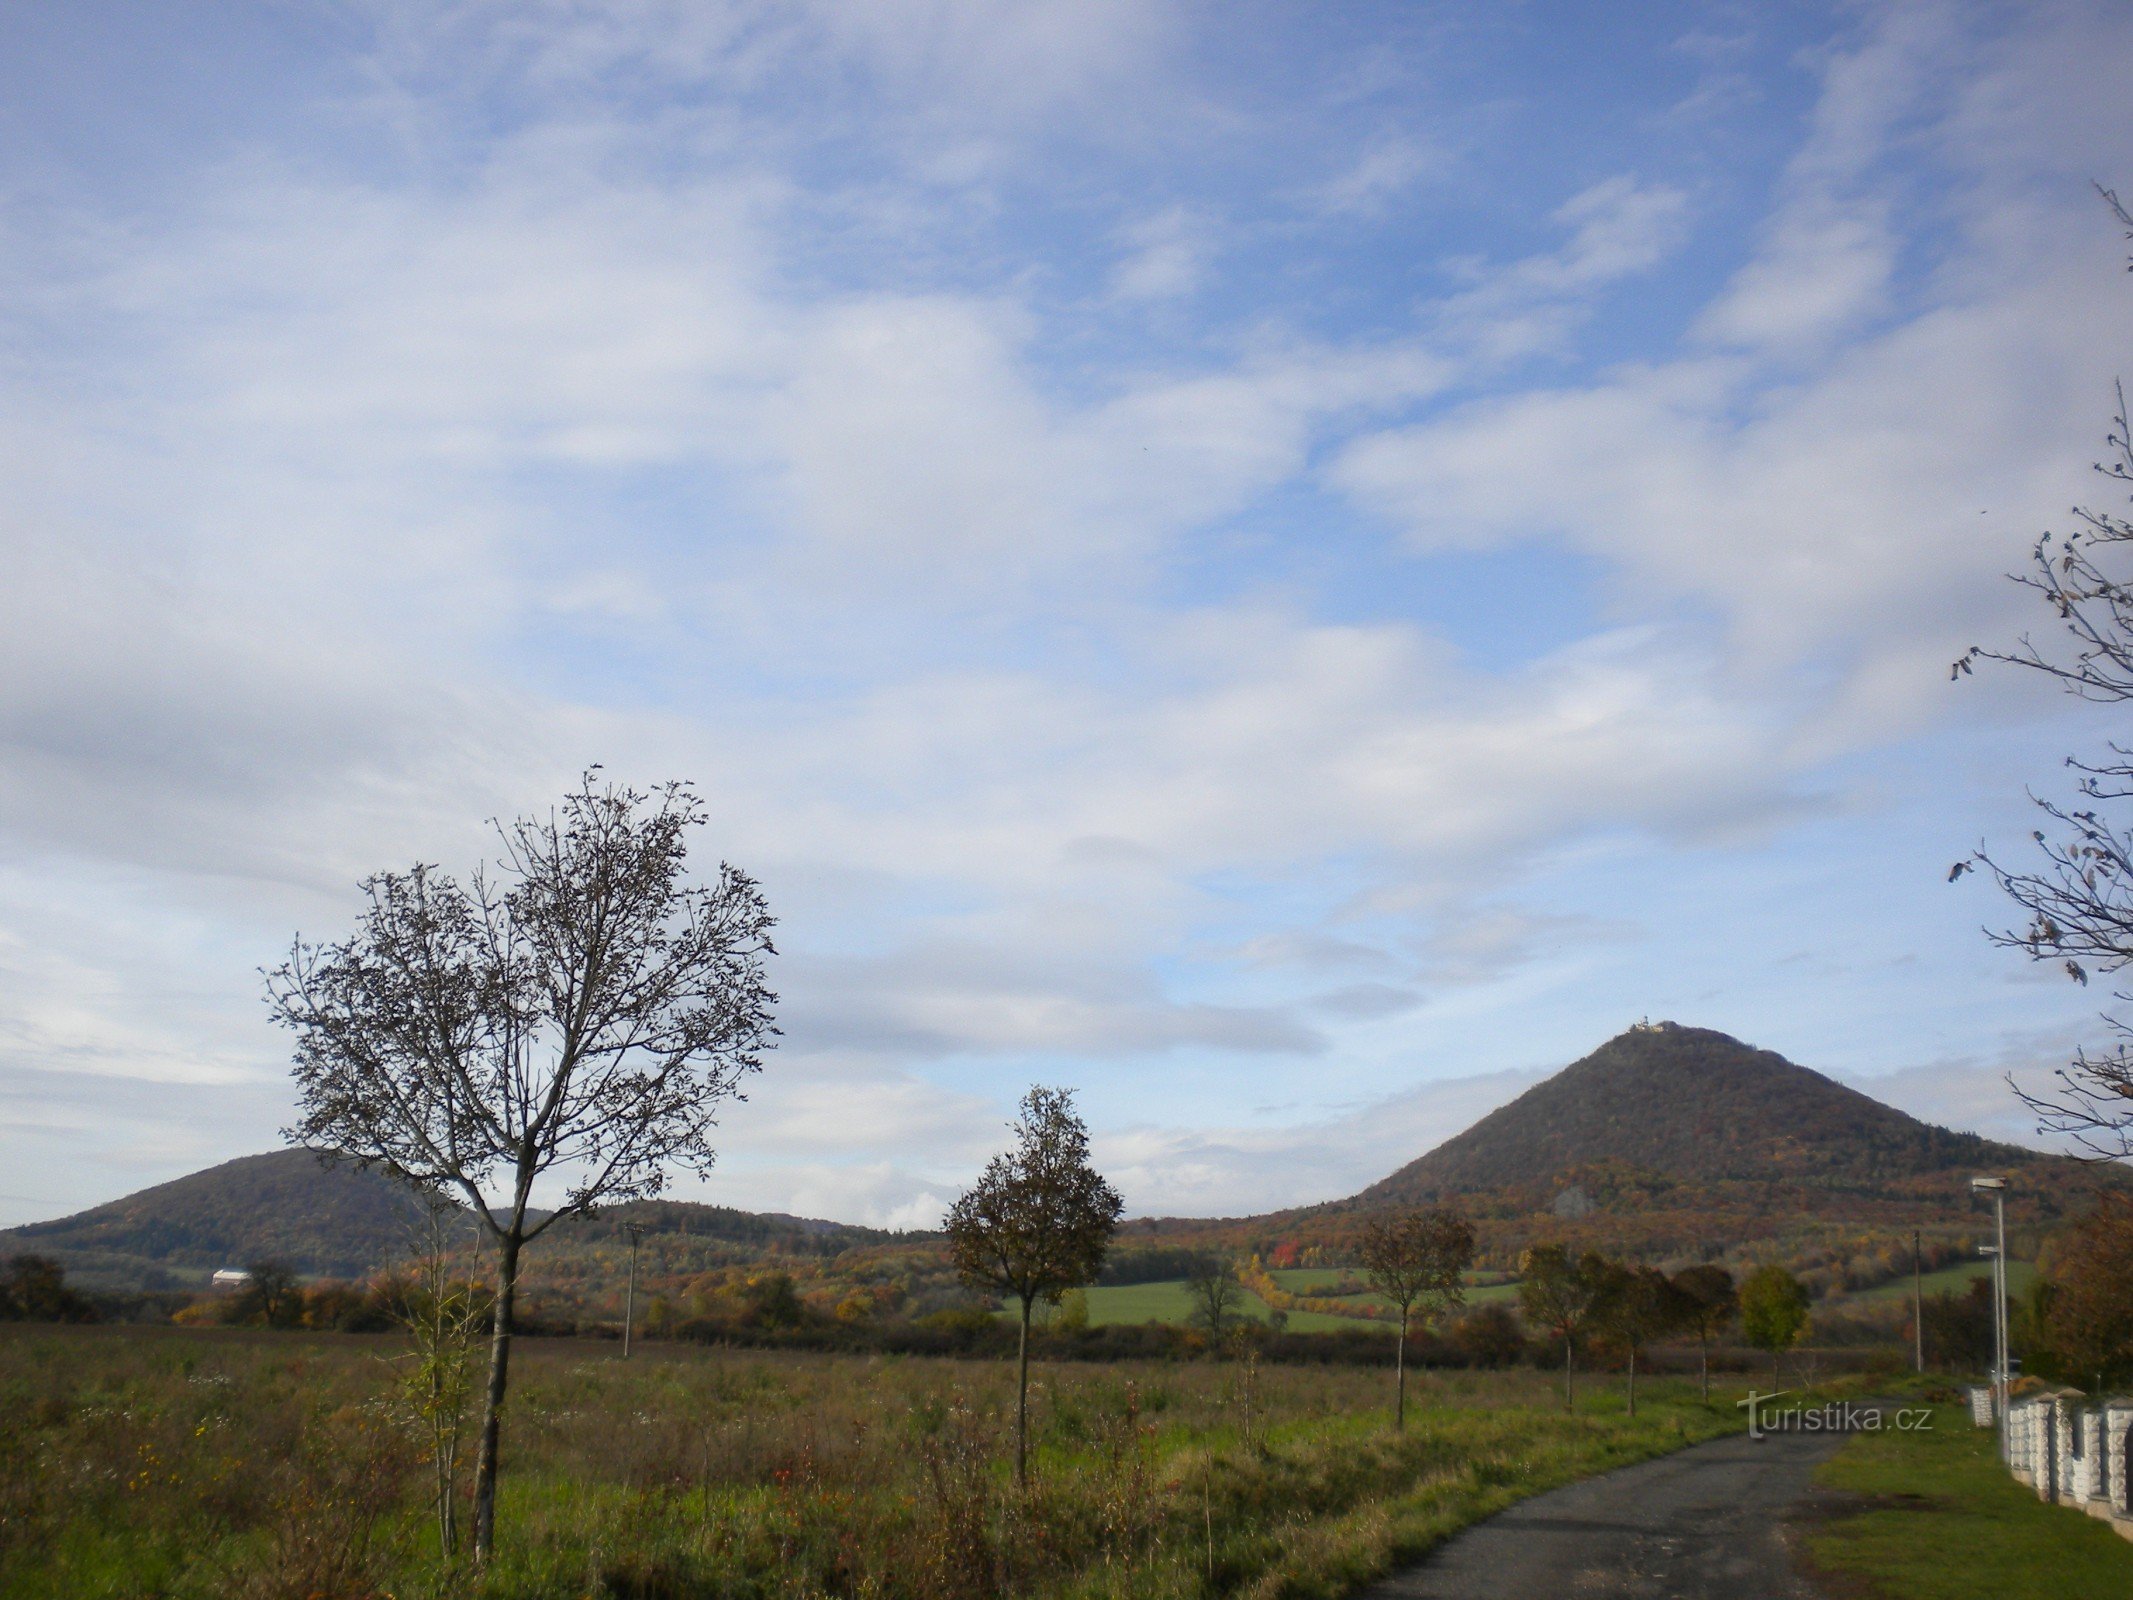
x=1693, y=1104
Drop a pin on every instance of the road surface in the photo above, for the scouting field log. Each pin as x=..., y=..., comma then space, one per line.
x=1706, y=1523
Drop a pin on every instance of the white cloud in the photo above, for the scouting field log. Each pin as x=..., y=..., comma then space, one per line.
x=352, y=502
x=1840, y=512
x=1617, y=228
x=1237, y=1171
x=1825, y=268
x=1383, y=169
x=1974, y=1093
x=949, y=59
x=1167, y=254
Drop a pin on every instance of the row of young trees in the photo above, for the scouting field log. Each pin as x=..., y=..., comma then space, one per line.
x=1036, y=1225
x=1577, y=1298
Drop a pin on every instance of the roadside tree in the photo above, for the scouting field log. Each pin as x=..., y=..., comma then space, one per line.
x=2089, y=1311
x=1416, y=1260
x=1035, y=1225
x=1640, y=1305
x=1773, y=1312
x=1710, y=1302
x=1558, y=1295
x=578, y=1011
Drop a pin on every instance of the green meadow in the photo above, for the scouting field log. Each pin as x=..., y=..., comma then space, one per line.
x=1932, y=1515
x=190, y=1464
x=2021, y=1275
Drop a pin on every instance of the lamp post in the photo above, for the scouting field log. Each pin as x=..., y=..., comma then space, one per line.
x=629, y=1298
x=1997, y=1188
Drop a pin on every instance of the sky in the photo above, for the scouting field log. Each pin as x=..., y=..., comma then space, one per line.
x=1291, y=569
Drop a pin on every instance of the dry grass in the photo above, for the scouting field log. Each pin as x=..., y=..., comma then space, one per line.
x=183, y=1463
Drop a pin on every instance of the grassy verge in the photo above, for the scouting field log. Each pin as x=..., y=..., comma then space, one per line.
x=1941, y=1519
x=1139, y=1509
x=191, y=1465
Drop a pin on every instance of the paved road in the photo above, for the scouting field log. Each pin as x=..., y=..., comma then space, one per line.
x=1707, y=1523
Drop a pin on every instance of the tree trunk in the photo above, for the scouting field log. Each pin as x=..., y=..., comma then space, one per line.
x=1703, y=1352
x=1633, y=1380
x=448, y=1499
x=493, y=1406
x=1022, y=1401
x=1569, y=1356
x=447, y=1408
x=1399, y=1365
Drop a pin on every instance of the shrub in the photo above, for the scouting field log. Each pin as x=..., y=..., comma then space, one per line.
x=34, y=1289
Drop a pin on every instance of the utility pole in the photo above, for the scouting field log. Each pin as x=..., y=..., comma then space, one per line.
x=1918, y=1309
x=1997, y=1188
x=629, y=1299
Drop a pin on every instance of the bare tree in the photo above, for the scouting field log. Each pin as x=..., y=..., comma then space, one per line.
x=577, y=1009
x=1216, y=1293
x=1035, y=1225
x=1417, y=1259
x=2079, y=897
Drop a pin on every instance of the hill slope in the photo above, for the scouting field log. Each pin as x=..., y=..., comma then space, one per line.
x=337, y=1221
x=285, y=1206
x=1693, y=1104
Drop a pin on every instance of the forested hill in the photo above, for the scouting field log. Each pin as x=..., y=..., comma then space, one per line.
x=1696, y=1105
x=285, y=1206
x=336, y=1221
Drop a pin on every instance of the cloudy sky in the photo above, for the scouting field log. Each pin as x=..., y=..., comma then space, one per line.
x=1288, y=567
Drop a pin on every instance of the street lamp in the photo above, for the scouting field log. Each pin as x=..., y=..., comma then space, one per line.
x=1997, y=1188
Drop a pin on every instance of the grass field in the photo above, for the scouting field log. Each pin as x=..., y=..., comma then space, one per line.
x=1954, y=1280
x=1940, y=1519
x=193, y=1463
x=1168, y=1302
x=1313, y=1280
x=1308, y=1281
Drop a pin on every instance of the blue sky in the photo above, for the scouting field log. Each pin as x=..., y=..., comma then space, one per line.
x=1289, y=568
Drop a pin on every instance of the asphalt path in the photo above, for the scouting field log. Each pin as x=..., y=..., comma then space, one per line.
x=1707, y=1523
